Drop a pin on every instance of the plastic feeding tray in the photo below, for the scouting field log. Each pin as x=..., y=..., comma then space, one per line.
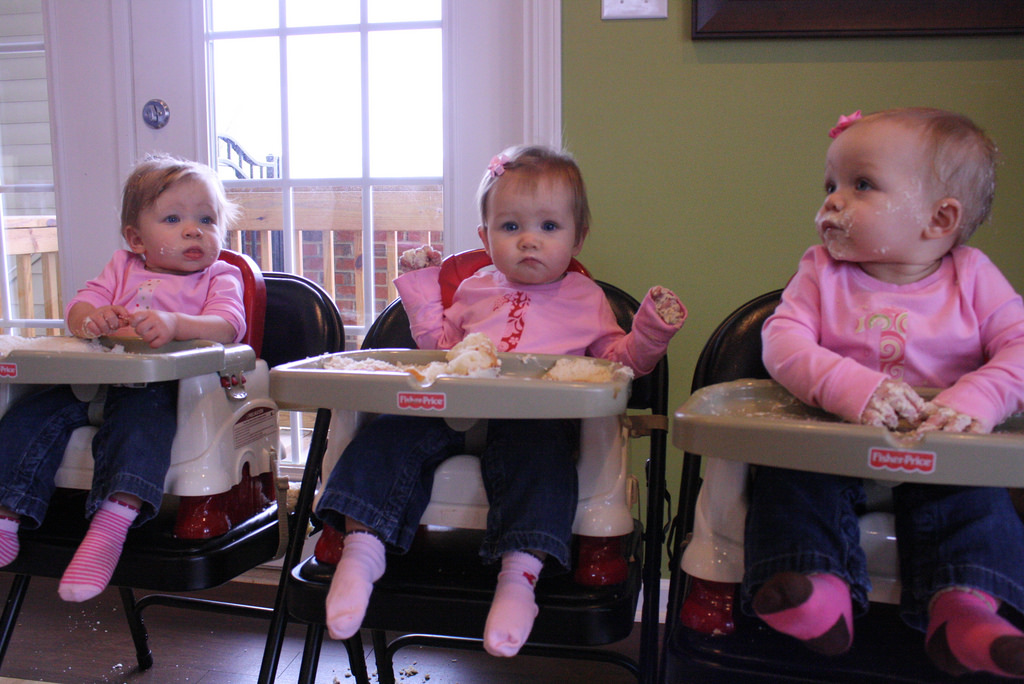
x=516, y=392
x=759, y=422
x=68, y=361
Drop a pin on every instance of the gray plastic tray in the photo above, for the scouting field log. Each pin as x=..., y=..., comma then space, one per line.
x=517, y=392
x=758, y=421
x=139, y=363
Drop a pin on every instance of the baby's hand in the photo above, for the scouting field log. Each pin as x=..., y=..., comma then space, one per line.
x=103, y=320
x=945, y=419
x=668, y=306
x=894, y=399
x=157, y=328
x=417, y=258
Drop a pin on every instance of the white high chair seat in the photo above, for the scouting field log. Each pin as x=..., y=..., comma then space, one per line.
x=458, y=499
x=216, y=437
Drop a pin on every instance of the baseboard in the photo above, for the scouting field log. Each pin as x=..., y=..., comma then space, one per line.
x=662, y=602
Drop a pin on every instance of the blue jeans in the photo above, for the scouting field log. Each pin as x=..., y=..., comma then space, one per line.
x=384, y=477
x=131, y=449
x=947, y=535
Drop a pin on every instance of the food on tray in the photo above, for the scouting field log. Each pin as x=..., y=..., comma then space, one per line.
x=9, y=343
x=475, y=356
x=585, y=370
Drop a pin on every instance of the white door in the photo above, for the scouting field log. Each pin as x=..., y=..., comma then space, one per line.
x=107, y=58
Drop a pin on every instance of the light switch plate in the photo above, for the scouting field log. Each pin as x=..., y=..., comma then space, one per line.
x=634, y=9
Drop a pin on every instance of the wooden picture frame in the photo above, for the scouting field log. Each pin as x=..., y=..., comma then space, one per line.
x=854, y=18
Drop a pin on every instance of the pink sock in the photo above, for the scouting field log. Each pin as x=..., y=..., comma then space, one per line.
x=965, y=634
x=362, y=563
x=8, y=539
x=93, y=564
x=813, y=608
x=514, y=607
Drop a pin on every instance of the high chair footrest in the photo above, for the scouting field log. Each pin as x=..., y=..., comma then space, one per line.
x=153, y=558
x=422, y=586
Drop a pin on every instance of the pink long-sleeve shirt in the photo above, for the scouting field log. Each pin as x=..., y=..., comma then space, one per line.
x=569, y=316
x=838, y=333
x=124, y=281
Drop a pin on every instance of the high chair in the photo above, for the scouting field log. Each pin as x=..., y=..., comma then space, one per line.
x=884, y=648
x=440, y=592
x=219, y=517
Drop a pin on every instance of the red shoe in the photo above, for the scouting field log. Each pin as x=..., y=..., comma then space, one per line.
x=600, y=562
x=708, y=607
x=328, y=546
x=202, y=517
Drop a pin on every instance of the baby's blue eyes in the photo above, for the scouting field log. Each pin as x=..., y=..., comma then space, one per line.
x=547, y=227
x=861, y=185
x=206, y=220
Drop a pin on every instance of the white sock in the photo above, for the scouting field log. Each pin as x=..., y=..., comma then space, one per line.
x=514, y=607
x=362, y=563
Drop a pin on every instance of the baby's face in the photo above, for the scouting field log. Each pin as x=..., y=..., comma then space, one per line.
x=879, y=198
x=531, y=231
x=178, y=233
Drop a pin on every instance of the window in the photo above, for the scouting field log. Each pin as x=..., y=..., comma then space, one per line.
x=329, y=133
x=29, y=295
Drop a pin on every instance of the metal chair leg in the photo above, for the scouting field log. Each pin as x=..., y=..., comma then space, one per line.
x=138, y=629
x=15, y=599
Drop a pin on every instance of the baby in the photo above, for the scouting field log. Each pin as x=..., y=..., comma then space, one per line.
x=891, y=300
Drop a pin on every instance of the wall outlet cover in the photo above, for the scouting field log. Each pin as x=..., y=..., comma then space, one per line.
x=634, y=9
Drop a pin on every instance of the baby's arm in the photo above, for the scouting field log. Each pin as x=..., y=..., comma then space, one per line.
x=893, y=400
x=158, y=328
x=417, y=258
x=89, y=322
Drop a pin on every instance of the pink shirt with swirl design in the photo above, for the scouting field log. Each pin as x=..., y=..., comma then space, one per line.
x=839, y=332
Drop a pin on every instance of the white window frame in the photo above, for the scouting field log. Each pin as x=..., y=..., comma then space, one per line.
x=502, y=63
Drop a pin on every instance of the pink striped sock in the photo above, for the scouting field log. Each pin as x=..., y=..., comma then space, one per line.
x=8, y=539
x=514, y=607
x=93, y=564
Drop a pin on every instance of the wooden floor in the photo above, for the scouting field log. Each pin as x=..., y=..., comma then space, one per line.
x=84, y=643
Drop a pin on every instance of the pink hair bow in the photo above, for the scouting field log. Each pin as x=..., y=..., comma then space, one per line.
x=844, y=123
x=497, y=165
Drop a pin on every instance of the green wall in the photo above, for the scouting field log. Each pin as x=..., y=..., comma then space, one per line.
x=703, y=160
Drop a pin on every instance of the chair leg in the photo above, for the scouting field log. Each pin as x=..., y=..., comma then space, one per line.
x=138, y=629
x=311, y=656
x=15, y=599
x=293, y=553
x=383, y=656
x=311, y=653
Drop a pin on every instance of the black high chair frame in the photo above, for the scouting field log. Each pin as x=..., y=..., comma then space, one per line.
x=884, y=649
x=300, y=320
x=441, y=599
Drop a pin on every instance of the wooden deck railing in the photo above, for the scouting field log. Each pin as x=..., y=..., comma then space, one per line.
x=28, y=238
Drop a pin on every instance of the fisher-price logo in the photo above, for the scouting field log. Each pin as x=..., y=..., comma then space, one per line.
x=907, y=461
x=8, y=370
x=421, y=401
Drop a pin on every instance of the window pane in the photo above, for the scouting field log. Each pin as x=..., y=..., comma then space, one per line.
x=330, y=221
x=381, y=11
x=22, y=22
x=322, y=12
x=405, y=103
x=241, y=15
x=324, y=106
x=24, y=119
x=30, y=236
x=258, y=231
x=403, y=217
x=247, y=104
